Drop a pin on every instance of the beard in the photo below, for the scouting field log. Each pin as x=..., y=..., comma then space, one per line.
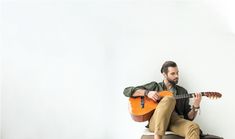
x=172, y=82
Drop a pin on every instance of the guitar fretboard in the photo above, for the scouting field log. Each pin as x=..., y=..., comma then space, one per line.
x=187, y=95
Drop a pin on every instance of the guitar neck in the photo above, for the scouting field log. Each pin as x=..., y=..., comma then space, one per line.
x=187, y=95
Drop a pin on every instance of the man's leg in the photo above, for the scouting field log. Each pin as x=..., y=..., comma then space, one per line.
x=161, y=117
x=183, y=127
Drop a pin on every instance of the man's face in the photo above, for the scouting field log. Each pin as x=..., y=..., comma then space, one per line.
x=173, y=75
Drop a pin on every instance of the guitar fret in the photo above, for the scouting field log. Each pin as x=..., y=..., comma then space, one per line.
x=187, y=95
x=183, y=96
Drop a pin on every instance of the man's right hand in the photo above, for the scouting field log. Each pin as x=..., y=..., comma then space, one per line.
x=154, y=95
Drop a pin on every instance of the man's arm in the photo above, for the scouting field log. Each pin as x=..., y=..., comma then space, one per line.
x=140, y=92
x=196, y=105
x=144, y=90
x=193, y=113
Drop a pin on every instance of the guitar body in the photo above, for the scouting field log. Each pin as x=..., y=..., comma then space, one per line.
x=141, y=109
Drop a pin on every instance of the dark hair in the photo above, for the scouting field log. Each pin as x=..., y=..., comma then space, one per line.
x=166, y=65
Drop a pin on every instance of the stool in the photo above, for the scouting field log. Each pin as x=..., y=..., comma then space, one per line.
x=168, y=135
x=171, y=135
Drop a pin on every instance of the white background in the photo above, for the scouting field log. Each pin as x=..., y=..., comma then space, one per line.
x=64, y=64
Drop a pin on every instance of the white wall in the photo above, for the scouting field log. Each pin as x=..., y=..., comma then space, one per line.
x=1, y=48
x=66, y=63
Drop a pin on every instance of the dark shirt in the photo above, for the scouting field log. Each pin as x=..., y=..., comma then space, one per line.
x=182, y=105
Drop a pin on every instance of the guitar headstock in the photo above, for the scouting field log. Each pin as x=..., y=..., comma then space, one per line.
x=213, y=95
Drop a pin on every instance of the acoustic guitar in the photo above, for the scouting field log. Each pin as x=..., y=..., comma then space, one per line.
x=142, y=108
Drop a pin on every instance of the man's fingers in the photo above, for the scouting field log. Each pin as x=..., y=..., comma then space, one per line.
x=197, y=95
x=153, y=98
x=157, y=97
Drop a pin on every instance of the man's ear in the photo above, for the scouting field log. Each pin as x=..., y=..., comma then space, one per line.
x=164, y=74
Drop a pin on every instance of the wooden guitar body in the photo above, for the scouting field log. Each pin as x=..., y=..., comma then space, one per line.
x=144, y=112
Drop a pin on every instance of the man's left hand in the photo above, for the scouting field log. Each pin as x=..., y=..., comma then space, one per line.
x=197, y=99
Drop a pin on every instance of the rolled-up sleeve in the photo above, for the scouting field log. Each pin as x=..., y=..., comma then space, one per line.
x=129, y=91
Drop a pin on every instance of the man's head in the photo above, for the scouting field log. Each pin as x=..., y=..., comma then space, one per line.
x=170, y=72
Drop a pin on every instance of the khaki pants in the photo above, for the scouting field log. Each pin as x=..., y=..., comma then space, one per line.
x=164, y=118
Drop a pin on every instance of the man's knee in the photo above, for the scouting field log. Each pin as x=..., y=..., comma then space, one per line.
x=169, y=99
x=193, y=128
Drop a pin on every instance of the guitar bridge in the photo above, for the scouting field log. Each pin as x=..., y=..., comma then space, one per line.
x=142, y=102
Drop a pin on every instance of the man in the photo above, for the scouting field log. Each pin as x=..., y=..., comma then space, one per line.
x=170, y=114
